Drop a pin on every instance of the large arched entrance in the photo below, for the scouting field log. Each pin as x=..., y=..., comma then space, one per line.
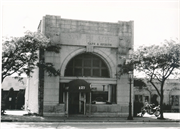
x=83, y=65
x=79, y=95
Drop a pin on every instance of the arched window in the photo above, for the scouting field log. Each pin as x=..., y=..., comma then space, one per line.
x=87, y=65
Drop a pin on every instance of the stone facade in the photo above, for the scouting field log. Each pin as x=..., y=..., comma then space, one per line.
x=108, y=41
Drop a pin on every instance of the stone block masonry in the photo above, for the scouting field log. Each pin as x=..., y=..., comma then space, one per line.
x=104, y=34
x=108, y=41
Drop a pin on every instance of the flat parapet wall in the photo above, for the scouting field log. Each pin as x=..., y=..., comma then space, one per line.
x=79, y=32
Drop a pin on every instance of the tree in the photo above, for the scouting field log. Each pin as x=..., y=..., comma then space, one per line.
x=158, y=63
x=20, y=54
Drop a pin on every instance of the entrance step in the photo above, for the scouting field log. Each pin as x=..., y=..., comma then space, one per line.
x=78, y=115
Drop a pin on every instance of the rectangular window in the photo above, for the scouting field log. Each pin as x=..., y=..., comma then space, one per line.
x=87, y=63
x=175, y=100
x=147, y=98
x=61, y=91
x=96, y=73
x=69, y=72
x=96, y=63
x=78, y=62
x=104, y=73
x=105, y=94
x=99, y=96
x=78, y=72
x=87, y=72
x=138, y=98
x=113, y=95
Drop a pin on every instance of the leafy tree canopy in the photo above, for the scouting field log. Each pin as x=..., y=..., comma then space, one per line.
x=159, y=61
x=139, y=83
x=20, y=54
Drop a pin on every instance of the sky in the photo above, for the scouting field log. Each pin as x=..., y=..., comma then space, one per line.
x=154, y=20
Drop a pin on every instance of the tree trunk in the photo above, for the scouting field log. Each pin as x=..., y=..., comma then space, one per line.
x=2, y=78
x=161, y=101
x=41, y=83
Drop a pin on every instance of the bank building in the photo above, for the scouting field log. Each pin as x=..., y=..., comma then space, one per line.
x=88, y=61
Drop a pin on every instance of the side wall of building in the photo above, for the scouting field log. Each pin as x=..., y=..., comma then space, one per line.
x=31, y=94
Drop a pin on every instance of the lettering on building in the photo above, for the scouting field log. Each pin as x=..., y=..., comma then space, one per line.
x=82, y=87
x=99, y=44
x=98, y=40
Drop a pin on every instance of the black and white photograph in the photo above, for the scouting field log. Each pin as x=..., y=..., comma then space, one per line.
x=90, y=64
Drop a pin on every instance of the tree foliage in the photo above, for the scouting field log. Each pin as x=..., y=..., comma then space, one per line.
x=158, y=62
x=138, y=82
x=20, y=54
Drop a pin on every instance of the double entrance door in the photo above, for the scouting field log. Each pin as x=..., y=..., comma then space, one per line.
x=77, y=103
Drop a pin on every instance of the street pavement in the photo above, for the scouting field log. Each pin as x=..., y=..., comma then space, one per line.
x=89, y=125
x=18, y=120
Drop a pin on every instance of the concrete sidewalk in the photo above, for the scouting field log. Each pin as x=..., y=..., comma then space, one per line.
x=21, y=116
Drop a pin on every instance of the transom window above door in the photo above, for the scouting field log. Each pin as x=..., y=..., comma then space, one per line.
x=87, y=65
